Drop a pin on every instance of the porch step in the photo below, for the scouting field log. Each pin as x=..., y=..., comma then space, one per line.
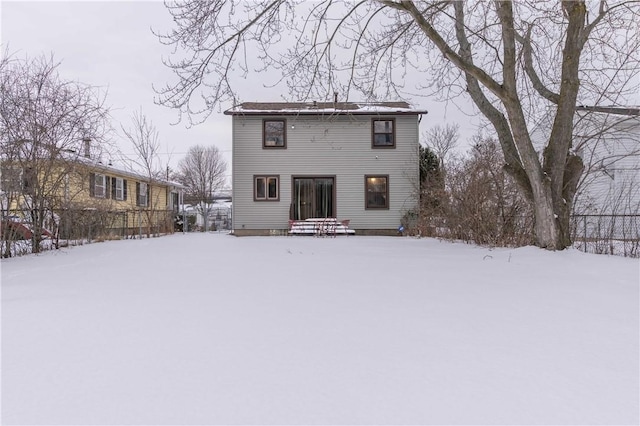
x=319, y=226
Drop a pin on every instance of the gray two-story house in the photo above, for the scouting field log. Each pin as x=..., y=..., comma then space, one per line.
x=350, y=161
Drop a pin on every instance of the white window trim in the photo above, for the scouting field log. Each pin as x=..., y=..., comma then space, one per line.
x=99, y=190
x=143, y=194
x=119, y=194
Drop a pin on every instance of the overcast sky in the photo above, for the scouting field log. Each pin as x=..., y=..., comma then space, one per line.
x=110, y=44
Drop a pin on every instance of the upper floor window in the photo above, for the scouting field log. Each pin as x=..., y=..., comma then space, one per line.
x=383, y=133
x=376, y=192
x=274, y=134
x=266, y=188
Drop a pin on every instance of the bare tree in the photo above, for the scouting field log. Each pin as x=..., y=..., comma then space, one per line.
x=442, y=140
x=476, y=202
x=202, y=171
x=145, y=140
x=44, y=123
x=510, y=58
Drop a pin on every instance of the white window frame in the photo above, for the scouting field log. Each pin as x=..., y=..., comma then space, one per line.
x=119, y=193
x=143, y=195
x=100, y=190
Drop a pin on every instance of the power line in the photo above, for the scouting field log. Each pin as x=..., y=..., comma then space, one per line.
x=171, y=153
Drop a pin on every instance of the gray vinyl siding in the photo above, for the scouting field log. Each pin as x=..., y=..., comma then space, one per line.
x=608, y=144
x=320, y=146
x=611, y=182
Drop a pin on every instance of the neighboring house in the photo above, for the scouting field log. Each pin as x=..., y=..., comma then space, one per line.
x=350, y=161
x=608, y=141
x=219, y=216
x=218, y=211
x=144, y=204
x=87, y=193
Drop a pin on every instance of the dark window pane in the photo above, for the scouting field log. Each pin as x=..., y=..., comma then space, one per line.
x=380, y=126
x=260, y=188
x=324, y=198
x=273, y=188
x=274, y=133
x=382, y=139
x=383, y=133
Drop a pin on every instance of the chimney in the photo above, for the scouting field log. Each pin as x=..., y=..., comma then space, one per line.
x=335, y=97
x=87, y=147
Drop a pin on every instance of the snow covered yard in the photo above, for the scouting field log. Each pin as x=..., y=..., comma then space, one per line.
x=213, y=329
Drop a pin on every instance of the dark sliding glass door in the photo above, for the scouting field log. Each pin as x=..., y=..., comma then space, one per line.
x=313, y=197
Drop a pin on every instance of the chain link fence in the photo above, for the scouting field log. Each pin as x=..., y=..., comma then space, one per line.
x=78, y=226
x=607, y=234
x=600, y=234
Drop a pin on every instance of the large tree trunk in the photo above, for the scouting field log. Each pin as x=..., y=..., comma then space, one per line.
x=563, y=168
x=552, y=184
x=545, y=226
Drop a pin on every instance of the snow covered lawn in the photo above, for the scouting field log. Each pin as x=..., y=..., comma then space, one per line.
x=213, y=329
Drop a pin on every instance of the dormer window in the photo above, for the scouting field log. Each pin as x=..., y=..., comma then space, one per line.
x=274, y=134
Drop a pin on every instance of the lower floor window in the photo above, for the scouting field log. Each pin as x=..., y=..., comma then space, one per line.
x=376, y=192
x=142, y=196
x=100, y=186
x=118, y=188
x=266, y=188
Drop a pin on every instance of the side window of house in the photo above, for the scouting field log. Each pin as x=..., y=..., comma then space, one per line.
x=118, y=189
x=274, y=134
x=142, y=194
x=376, y=192
x=29, y=180
x=98, y=184
x=266, y=188
x=383, y=133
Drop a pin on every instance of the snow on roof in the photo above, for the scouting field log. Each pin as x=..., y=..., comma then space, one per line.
x=322, y=108
x=53, y=153
x=103, y=168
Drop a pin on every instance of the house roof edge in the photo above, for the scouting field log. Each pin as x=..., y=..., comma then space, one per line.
x=323, y=108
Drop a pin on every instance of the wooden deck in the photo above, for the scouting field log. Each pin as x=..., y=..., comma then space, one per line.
x=320, y=227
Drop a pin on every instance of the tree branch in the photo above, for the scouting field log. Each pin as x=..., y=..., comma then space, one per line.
x=447, y=51
x=527, y=54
